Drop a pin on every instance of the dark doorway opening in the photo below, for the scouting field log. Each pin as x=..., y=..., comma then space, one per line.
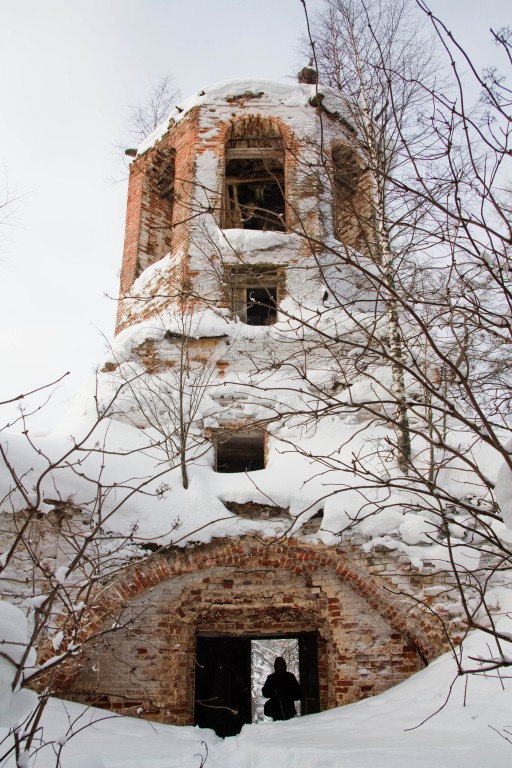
x=223, y=684
x=223, y=680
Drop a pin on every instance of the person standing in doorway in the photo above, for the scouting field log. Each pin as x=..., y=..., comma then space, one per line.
x=282, y=690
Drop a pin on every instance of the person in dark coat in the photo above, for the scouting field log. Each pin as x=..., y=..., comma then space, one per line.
x=281, y=689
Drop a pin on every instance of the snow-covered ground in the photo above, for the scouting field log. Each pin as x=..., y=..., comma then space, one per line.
x=473, y=730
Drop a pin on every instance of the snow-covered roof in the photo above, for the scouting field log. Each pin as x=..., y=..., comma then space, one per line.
x=268, y=91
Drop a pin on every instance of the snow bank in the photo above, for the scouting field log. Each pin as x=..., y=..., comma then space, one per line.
x=433, y=720
x=309, y=467
x=15, y=704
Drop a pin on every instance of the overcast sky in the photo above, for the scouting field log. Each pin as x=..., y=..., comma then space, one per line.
x=69, y=71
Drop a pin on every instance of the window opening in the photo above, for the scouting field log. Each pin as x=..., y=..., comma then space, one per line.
x=349, y=209
x=346, y=168
x=242, y=451
x=254, y=294
x=261, y=305
x=255, y=182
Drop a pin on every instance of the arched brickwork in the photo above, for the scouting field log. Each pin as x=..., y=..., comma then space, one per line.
x=258, y=123
x=296, y=557
x=370, y=638
x=255, y=188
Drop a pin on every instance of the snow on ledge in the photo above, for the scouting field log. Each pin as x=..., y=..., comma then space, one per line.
x=253, y=239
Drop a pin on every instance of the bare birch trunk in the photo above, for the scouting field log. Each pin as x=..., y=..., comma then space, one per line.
x=384, y=257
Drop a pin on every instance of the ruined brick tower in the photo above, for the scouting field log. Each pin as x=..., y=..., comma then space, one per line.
x=223, y=283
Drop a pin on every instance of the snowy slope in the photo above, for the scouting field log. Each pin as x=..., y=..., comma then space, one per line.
x=385, y=732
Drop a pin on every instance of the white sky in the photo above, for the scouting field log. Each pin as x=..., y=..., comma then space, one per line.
x=69, y=70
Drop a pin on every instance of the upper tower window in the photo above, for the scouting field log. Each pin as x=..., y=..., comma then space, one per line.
x=254, y=196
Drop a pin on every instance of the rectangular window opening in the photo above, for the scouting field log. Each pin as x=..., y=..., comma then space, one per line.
x=261, y=305
x=242, y=451
x=254, y=292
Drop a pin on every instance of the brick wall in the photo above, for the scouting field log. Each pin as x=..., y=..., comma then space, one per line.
x=155, y=226
x=371, y=635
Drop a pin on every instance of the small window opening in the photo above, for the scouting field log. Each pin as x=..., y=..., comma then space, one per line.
x=255, y=293
x=242, y=451
x=261, y=306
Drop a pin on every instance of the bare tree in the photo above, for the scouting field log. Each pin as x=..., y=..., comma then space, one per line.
x=144, y=118
x=167, y=394
x=374, y=56
x=440, y=240
x=9, y=200
x=59, y=545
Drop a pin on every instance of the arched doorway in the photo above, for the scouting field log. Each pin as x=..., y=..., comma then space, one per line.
x=368, y=636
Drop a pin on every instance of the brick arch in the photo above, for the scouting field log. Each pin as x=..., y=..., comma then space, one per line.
x=368, y=639
x=255, y=125
x=417, y=625
x=262, y=125
x=258, y=127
